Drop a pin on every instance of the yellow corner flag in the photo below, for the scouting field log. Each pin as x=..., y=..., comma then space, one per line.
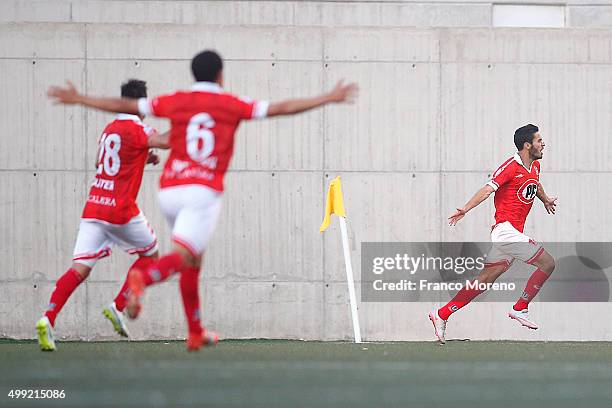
x=334, y=204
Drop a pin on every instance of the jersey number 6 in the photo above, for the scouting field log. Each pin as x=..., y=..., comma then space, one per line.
x=200, y=140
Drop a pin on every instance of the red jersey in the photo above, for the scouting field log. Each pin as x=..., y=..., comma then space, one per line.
x=203, y=124
x=122, y=154
x=515, y=189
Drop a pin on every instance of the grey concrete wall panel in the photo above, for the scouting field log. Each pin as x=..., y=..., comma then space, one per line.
x=456, y=188
x=392, y=45
x=66, y=41
x=294, y=143
x=21, y=306
x=185, y=12
x=283, y=244
x=404, y=13
x=398, y=108
x=530, y=46
x=40, y=216
x=582, y=210
x=53, y=140
x=590, y=16
x=265, y=310
x=436, y=15
x=554, y=2
x=39, y=10
x=508, y=96
x=382, y=207
x=115, y=41
x=336, y=310
x=425, y=13
x=390, y=321
x=435, y=116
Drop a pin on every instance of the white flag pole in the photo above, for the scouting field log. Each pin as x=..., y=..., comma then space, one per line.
x=350, y=280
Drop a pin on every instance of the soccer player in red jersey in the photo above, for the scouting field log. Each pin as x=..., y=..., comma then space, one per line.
x=515, y=184
x=203, y=124
x=111, y=215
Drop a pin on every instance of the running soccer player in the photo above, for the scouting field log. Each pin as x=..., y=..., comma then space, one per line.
x=203, y=124
x=111, y=215
x=516, y=184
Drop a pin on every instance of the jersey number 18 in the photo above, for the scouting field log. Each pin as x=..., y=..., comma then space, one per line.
x=108, y=154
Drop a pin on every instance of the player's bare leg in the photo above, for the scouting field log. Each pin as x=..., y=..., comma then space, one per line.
x=439, y=317
x=64, y=287
x=114, y=311
x=520, y=311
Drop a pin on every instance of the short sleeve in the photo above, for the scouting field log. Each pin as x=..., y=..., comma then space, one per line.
x=142, y=141
x=160, y=106
x=250, y=109
x=502, y=175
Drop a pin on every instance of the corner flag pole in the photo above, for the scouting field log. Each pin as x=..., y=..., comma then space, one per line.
x=334, y=204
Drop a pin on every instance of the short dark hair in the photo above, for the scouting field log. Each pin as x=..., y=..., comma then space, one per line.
x=134, y=89
x=524, y=134
x=206, y=66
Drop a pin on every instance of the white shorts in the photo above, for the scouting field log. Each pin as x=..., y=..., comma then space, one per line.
x=510, y=244
x=192, y=212
x=96, y=237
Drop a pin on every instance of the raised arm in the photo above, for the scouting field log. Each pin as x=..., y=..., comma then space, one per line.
x=70, y=96
x=341, y=93
x=478, y=198
x=549, y=202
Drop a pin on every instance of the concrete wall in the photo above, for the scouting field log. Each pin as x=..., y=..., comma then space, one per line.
x=405, y=13
x=435, y=116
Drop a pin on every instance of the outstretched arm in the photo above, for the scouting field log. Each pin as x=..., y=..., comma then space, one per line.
x=70, y=96
x=341, y=93
x=478, y=198
x=549, y=202
x=160, y=140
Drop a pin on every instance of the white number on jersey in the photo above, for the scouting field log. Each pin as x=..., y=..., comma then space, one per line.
x=200, y=140
x=108, y=155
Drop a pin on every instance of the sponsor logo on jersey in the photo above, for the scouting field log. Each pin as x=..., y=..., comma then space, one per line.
x=101, y=200
x=179, y=165
x=527, y=192
x=108, y=185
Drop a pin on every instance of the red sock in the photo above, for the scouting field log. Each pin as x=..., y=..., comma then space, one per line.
x=534, y=284
x=462, y=298
x=191, y=298
x=64, y=287
x=121, y=299
x=161, y=270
